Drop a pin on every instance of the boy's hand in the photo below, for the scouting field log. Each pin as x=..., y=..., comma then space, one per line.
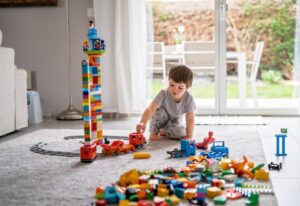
x=188, y=138
x=140, y=127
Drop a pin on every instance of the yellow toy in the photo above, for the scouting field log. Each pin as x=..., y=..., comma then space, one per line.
x=262, y=174
x=141, y=155
x=129, y=178
x=213, y=192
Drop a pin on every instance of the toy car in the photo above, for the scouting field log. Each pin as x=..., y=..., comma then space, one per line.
x=274, y=166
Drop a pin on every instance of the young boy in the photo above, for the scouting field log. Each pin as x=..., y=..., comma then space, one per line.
x=169, y=107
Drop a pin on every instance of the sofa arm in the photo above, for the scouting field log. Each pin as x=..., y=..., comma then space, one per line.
x=7, y=94
x=21, y=98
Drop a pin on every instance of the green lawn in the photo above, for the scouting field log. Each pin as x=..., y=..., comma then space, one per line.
x=206, y=90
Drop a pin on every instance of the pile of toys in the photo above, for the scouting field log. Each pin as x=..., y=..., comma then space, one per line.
x=204, y=176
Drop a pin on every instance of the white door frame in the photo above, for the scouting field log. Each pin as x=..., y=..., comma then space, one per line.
x=218, y=98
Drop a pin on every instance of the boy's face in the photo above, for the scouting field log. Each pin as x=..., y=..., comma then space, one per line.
x=177, y=90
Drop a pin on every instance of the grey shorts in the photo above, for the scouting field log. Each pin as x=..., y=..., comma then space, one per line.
x=162, y=121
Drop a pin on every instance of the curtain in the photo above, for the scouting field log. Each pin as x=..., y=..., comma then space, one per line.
x=126, y=31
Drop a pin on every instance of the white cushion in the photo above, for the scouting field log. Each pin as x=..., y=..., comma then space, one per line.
x=1, y=37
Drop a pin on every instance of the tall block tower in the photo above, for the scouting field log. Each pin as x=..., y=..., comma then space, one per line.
x=94, y=47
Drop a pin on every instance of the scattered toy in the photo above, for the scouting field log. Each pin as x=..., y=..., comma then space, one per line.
x=206, y=141
x=280, y=138
x=141, y=155
x=274, y=166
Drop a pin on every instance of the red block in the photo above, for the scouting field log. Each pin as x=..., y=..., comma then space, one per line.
x=95, y=80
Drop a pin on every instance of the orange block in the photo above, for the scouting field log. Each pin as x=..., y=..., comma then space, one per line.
x=141, y=194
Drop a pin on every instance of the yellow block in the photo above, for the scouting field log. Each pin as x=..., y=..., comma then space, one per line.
x=182, y=179
x=162, y=192
x=174, y=199
x=136, y=186
x=145, y=186
x=212, y=192
x=99, y=134
x=141, y=155
x=129, y=178
x=262, y=174
x=124, y=203
x=164, y=186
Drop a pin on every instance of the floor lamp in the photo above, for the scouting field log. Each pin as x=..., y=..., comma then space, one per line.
x=71, y=113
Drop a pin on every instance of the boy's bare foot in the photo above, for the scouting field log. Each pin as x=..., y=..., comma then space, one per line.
x=154, y=137
x=162, y=133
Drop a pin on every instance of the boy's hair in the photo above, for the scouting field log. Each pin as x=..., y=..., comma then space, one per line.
x=181, y=74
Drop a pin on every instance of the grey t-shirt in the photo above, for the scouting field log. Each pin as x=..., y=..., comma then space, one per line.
x=175, y=110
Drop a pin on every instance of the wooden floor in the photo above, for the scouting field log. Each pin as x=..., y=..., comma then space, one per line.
x=286, y=182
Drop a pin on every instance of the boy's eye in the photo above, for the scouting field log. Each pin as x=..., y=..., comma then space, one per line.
x=180, y=88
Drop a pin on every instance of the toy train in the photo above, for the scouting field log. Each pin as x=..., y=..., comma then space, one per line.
x=136, y=141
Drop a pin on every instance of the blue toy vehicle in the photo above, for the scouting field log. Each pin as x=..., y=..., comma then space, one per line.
x=187, y=149
x=219, y=146
x=218, y=151
x=214, y=155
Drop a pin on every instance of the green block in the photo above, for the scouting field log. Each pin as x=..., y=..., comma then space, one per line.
x=133, y=198
x=283, y=130
x=253, y=200
x=257, y=168
x=220, y=200
x=149, y=195
x=227, y=172
x=100, y=196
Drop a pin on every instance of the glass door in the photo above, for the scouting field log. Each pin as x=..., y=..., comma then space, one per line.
x=186, y=32
x=260, y=75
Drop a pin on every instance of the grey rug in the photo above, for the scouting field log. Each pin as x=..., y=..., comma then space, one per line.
x=27, y=178
x=230, y=120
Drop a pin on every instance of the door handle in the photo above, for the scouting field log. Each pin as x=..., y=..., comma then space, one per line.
x=222, y=12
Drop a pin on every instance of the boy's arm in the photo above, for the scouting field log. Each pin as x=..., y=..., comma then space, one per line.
x=190, y=124
x=147, y=115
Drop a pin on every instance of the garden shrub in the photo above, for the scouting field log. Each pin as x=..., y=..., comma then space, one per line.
x=271, y=76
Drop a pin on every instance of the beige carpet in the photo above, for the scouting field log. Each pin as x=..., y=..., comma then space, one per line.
x=230, y=120
x=27, y=178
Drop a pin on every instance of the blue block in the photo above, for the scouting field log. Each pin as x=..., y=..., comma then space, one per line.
x=120, y=196
x=94, y=71
x=110, y=195
x=179, y=192
x=239, y=182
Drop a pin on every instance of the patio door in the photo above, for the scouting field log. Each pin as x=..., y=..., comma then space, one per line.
x=257, y=71
x=217, y=39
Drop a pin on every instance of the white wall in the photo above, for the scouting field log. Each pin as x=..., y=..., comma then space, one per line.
x=39, y=37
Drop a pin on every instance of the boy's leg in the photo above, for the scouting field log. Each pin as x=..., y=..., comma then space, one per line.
x=175, y=130
x=158, y=121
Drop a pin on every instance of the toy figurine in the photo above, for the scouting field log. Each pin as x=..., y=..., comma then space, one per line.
x=85, y=46
x=207, y=140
